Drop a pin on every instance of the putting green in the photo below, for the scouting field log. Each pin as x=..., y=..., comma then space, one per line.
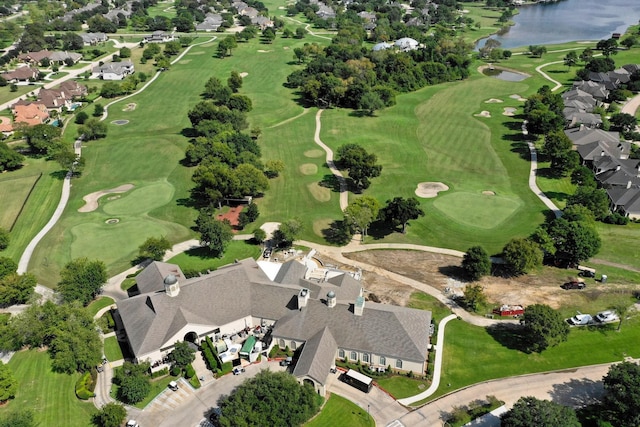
x=108, y=242
x=141, y=200
x=477, y=210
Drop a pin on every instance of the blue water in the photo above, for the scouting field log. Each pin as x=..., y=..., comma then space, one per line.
x=569, y=20
x=56, y=122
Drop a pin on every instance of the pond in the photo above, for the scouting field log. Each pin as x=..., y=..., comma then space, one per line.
x=500, y=74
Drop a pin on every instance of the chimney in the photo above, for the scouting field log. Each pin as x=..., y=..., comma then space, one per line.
x=628, y=184
x=638, y=169
x=331, y=299
x=602, y=153
x=358, y=307
x=581, y=126
x=303, y=297
x=618, y=168
x=171, y=285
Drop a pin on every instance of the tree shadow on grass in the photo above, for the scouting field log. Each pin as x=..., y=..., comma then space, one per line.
x=189, y=132
x=338, y=233
x=331, y=182
x=380, y=229
x=453, y=271
x=59, y=175
x=510, y=336
x=557, y=195
x=520, y=147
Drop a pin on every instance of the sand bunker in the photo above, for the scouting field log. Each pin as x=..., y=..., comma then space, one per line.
x=518, y=97
x=91, y=200
x=264, y=51
x=489, y=193
x=483, y=114
x=243, y=75
x=509, y=111
x=493, y=101
x=428, y=190
x=130, y=107
x=120, y=122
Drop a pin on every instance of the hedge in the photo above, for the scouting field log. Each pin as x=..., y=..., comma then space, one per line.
x=189, y=372
x=226, y=368
x=84, y=386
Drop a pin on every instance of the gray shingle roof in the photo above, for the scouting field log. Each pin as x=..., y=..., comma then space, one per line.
x=152, y=278
x=317, y=357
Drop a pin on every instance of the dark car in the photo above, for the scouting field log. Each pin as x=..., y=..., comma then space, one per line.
x=574, y=285
x=238, y=370
x=267, y=253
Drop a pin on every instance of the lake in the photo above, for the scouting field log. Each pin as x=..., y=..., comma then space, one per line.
x=569, y=20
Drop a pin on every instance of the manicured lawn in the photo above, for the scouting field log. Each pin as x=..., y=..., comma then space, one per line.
x=472, y=355
x=14, y=190
x=50, y=396
x=99, y=304
x=158, y=385
x=200, y=260
x=423, y=301
x=339, y=411
x=401, y=386
x=112, y=349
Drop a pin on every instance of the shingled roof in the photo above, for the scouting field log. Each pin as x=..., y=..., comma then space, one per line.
x=317, y=357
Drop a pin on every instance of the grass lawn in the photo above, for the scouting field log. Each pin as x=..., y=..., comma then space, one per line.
x=99, y=304
x=199, y=259
x=401, y=386
x=14, y=191
x=339, y=411
x=112, y=350
x=49, y=395
x=423, y=301
x=158, y=385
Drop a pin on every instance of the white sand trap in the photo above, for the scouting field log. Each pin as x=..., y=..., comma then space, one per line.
x=243, y=75
x=483, y=114
x=286, y=48
x=489, y=193
x=509, y=111
x=264, y=51
x=518, y=97
x=91, y=200
x=493, y=101
x=428, y=190
x=130, y=107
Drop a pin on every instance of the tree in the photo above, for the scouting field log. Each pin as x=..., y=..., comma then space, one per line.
x=4, y=239
x=259, y=235
x=134, y=384
x=586, y=55
x=595, y=199
x=7, y=266
x=18, y=418
x=537, y=50
x=287, y=232
x=81, y=280
x=8, y=383
x=269, y=398
x=162, y=62
x=361, y=213
x=400, y=211
x=272, y=168
x=558, y=147
x=370, y=102
x=234, y=81
x=172, y=48
x=93, y=128
x=531, y=412
x=81, y=117
x=608, y=47
x=301, y=32
x=476, y=263
x=17, y=288
x=154, y=248
x=571, y=59
x=214, y=234
x=111, y=415
x=98, y=110
x=622, y=391
x=622, y=309
x=240, y=103
x=583, y=176
x=269, y=34
x=125, y=52
x=474, y=296
x=360, y=164
x=9, y=159
x=182, y=354
x=226, y=46
x=522, y=255
x=68, y=159
x=248, y=215
x=543, y=327
x=42, y=137
x=623, y=121
x=575, y=241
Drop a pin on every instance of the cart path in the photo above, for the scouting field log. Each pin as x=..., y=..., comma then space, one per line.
x=344, y=196
x=290, y=119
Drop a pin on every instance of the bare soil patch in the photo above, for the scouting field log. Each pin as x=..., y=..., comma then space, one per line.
x=243, y=75
x=232, y=215
x=484, y=113
x=130, y=107
x=443, y=271
x=91, y=200
x=314, y=153
x=428, y=190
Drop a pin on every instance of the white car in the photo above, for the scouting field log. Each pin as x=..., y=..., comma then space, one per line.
x=581, y=319
x=607, y=316
x=132, y=423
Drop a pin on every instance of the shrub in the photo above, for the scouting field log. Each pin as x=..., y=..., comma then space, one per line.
x=161, y=373
x=84, y=386
x=189, y=372
x=227, y=367
x=195, y=382
x=175, y=371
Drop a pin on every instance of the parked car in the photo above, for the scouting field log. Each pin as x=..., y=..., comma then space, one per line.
x=99, y=368
x=574, y=285
x=286, y=362
x=132, y=423
x=238, y=370
x=581, y=319
x=267, y=253
x=607, y=316
x=173, y=385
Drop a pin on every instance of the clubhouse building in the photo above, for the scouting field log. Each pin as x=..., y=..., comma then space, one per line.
x=298, y=304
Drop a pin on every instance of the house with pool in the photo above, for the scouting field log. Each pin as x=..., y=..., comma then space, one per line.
x=248, y=307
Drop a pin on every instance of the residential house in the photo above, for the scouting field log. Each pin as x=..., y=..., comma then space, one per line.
x=6, y=127
x=262, y=22
x=325, y=12
x=113, y=70
x=240, y=6
x=34, y=57
x=54, y=99
x=158, y=37
x=125, y=11
x=251, y=12
x=575, y=117
x=367, y=16
x=63, y=57
x=73, y=89
x=406, y=44
x=212, y=22
x=21, y=74
x=625, y=200
x=56, y=56
x=68, y=16
x=319, y=309
x=381, y=46
x=582, y=135
x=597, y=90
x=92, y=39
x=30, y=113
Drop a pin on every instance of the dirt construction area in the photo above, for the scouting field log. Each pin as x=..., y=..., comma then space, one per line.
x=443, y=271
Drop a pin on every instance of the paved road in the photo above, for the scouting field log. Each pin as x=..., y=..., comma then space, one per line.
x=631, y=106
x=539, y=68
x=571, y=387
